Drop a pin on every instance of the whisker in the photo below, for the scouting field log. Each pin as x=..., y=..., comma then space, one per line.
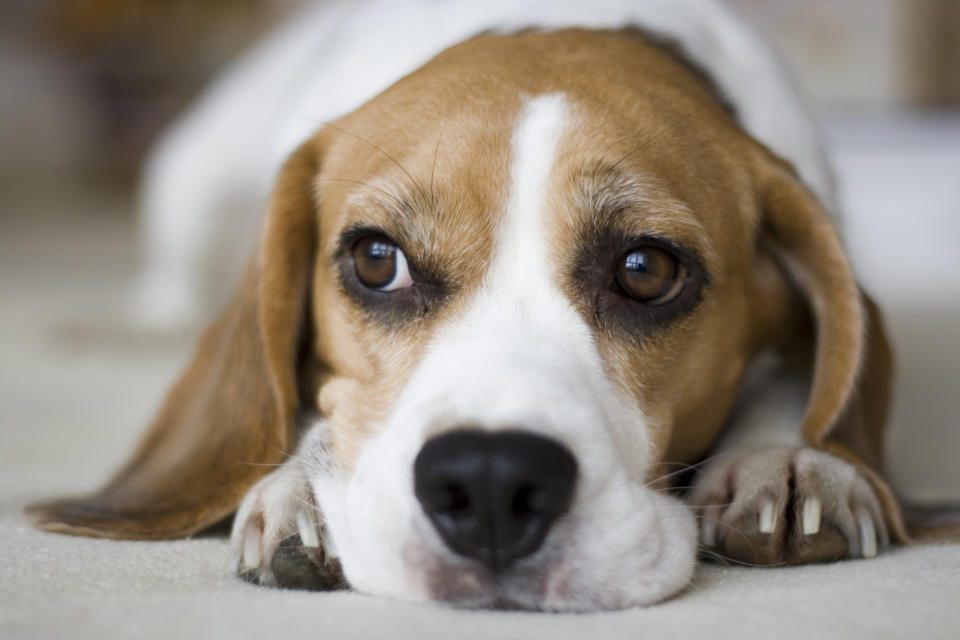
x=727, y=560
x=261, y=464
x=400, y=202
x=647, y=142
x=728, y=529
x=286, y=454
x=695, y=507
x=310, y=505
x=685, y=467
x=380, y=150
x=288, y=536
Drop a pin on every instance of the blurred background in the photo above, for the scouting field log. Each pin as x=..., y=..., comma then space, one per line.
x=87, y=85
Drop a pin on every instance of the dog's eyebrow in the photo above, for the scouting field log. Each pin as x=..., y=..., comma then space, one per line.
x=407, y=215
x=382, y=200
x=639, y=206
x=397, y=210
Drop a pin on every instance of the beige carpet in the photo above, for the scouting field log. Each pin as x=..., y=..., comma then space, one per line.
x=76, y=388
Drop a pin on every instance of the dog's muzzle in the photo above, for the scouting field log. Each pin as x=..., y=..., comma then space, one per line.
x=493, y=496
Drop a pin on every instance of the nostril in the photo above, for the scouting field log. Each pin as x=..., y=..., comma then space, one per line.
x=458, y=500
x=444, y=497
x=523, y=501
x=494, y=496
x=449, y=496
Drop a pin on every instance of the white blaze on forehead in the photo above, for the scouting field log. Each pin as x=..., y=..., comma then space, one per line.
x=521, y=255
x=519, y=356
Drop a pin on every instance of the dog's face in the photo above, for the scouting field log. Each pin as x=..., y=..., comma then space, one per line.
x=524, y=254
x=514, y=285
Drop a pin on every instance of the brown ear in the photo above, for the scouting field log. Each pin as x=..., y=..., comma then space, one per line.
x=805, y=240
x=852, y=364
x=231, y=416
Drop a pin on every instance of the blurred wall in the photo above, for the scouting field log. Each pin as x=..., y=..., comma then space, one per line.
x=866, y=53
x=87, y=85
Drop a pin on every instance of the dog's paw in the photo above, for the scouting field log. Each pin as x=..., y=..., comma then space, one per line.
x=787, y=505
x=277, y=537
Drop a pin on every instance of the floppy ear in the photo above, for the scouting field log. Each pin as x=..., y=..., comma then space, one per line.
x=852, y=364
x=231, y=415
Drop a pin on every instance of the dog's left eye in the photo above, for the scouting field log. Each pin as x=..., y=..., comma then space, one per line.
x=651, y=275
x=380, y=264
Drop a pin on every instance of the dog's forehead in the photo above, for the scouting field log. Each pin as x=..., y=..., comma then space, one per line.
x=494, y=176
x=431, y=159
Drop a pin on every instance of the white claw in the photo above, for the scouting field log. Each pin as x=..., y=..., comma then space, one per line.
x=236, y=558
x=708, y=531
x=308, y=533
x=251, y=552
x=768, y=519
x=329, y=548
x=868, y=535
x=811, y=516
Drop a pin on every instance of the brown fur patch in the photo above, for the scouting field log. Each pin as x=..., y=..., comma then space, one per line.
x=653, y=153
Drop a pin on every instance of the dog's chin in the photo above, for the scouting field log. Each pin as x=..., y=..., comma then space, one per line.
x=472, y=590
x=564, y=579
x=466, y=585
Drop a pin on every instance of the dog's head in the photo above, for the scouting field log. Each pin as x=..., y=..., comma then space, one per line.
x=513, y=286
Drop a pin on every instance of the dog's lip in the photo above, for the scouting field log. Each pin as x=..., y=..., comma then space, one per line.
x=466, y=585
x=504, y=594
x=506, y=603
x=498, y=599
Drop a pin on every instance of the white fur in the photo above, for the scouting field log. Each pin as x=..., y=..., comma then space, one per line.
x=521, y=261
x=769, y=409
x=519, y=357
x=207, y=180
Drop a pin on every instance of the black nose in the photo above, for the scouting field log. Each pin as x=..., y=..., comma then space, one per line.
x=494, y=496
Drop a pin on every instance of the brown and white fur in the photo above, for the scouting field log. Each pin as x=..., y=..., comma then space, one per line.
x=512, y=170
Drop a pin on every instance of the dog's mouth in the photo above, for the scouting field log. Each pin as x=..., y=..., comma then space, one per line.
x=474, y=587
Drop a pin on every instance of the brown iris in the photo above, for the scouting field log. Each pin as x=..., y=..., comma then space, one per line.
x=651, y=275
x=375, y=259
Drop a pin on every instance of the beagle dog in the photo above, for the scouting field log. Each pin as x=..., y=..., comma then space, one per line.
x=555, y=296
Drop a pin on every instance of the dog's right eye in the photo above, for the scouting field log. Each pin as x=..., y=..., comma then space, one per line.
x=380, y=264
x=377, y=275
x=651, y=275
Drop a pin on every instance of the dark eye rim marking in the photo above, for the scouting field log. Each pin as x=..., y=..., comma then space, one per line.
x=398, y=306
x=612, y=309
